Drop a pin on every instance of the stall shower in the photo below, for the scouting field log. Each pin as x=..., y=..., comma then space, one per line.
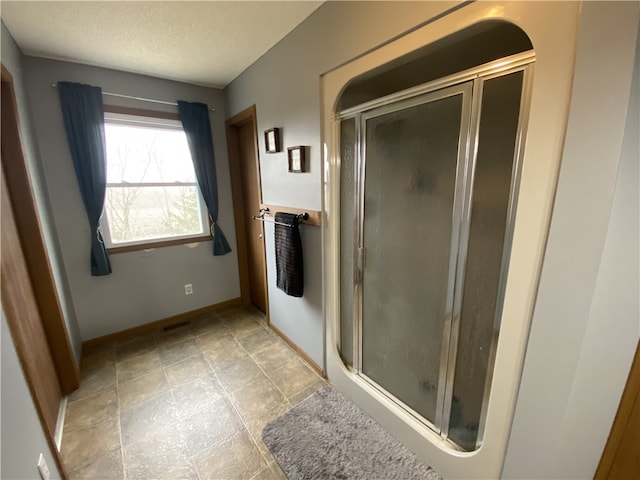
x=429, y=176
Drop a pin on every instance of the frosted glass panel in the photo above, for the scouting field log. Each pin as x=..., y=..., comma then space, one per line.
x=410, y=177
x=490, y=201
x=347, y=239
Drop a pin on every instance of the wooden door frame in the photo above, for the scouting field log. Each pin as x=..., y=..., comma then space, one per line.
x=21, y=196
x=627, y=402
x=240, y=212
x=28, y=222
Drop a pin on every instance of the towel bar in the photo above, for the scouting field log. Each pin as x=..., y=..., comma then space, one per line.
x=266, y=211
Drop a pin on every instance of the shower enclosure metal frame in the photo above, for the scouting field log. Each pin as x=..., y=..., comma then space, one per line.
x=469, y=84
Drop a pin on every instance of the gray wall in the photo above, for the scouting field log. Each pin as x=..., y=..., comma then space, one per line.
x=613, y=327
x=284, y=86
x=22, y=436
x=12, y=60
x=145, y=285
x=585, y=327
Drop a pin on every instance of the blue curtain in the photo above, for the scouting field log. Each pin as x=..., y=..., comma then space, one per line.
x=195, y=121
x=83, y=116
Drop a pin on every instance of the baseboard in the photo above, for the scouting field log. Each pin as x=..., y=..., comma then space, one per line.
x=165, y=322
x=298, y=350
x=62, y=411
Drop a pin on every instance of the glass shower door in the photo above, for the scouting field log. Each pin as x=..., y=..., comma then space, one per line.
x=428, y=193
x=411, y=170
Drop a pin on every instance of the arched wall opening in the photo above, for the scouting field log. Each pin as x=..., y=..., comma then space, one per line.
x=442, y=150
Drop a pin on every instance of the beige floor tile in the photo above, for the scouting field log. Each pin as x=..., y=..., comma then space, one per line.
x=196, y=394
x=186, y=370
x=274, y=356
x=147, y=418
x=239, y=327
x=215, y=340
x=208, y=426
x=192, y=402
x=137, y=366
x=257, y=340
x=134, y=347
x=96, y=360
x=233, y=313
x=91, y=410
x=265, y=474
x=239, y=373
x=256, y=313
x=293, y=377
x=134, y=392
x=104, y=467
x=264, y=450
x=225, y=354
x=95, y=381
x=307, y=392
x=257, y=398
x=176, y=352
x=255, y=426
x=84, y=446
x=173, y=334
x=277, y=472
x=236, y=458
x=210, y=323
x=88, y=350
x=155, y=455
x=186, y=471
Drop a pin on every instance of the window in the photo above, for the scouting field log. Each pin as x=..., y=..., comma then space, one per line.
x=152, y=193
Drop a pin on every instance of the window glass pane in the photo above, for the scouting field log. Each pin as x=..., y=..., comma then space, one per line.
x=138, y=154
x=143, y=213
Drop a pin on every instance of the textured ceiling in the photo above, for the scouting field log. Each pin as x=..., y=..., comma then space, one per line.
x=207, y=42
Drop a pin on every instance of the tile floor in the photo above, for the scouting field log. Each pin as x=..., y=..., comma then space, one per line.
x=187, y=403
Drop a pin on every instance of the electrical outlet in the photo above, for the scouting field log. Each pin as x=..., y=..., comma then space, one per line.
x=43, y=469
x=188, y=289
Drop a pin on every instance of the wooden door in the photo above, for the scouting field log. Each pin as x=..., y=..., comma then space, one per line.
x=245, y=173
x=254, y=229
x=621, y=456
x=19, y=303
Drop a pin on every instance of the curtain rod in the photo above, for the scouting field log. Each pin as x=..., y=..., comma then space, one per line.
x=119, y=95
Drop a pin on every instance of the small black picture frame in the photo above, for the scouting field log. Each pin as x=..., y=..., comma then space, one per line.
x=297, y=159
x=272, y=140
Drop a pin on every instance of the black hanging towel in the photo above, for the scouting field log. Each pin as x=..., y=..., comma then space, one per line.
x=290, y=272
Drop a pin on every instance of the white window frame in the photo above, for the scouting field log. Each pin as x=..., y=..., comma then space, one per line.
x=159, y=123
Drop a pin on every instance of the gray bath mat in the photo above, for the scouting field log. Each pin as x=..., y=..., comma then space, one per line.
x=328, y=437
